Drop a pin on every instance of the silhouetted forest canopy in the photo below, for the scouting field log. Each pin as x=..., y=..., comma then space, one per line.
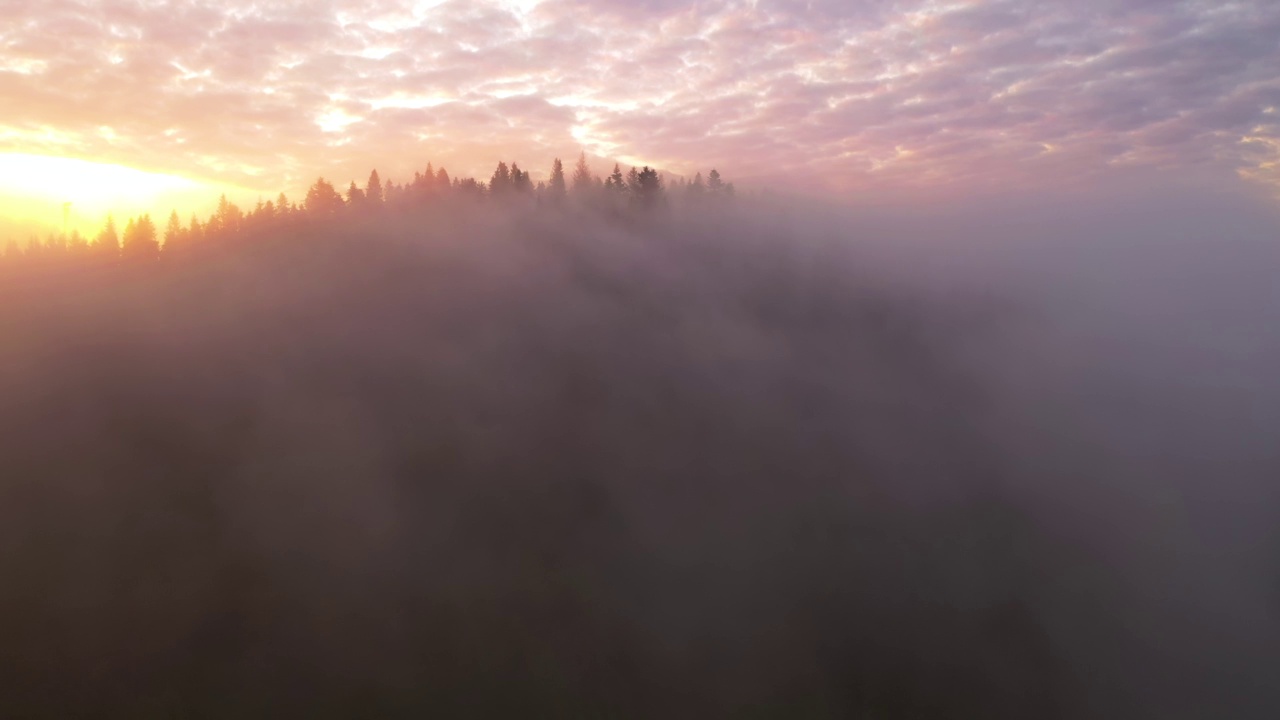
x=642, y=190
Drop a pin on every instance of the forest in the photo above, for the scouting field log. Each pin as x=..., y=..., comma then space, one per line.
x=633, y=448
x=643, y=190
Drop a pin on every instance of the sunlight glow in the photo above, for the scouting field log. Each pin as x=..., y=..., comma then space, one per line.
x=23, y=66
x=336, y=120
x=34, y=188
x=80, y=180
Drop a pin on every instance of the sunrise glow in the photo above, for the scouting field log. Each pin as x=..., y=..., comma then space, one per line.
x=53, y=193
x=833, y=98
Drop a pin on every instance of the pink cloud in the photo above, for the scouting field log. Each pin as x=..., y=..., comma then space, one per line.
x=832, y=95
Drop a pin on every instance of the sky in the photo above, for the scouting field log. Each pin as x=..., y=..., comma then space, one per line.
x=829, y=97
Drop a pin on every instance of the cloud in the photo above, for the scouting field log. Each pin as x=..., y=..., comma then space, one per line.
x=832, y=96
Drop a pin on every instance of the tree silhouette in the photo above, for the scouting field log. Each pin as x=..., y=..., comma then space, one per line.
x=500, y=183
x=322, y=199
x=195, y=231
x=714, y=184
x=616, y=183
x=582, y=181
x=283, y=207
x=173, y=232
x=355, y=196
x=140, y=242
x=428, y=180
x=695, y=190
x=556, y=186
x=648, y=188
x=226, y=219
x=520, y=181
x=107, y=243
x=642, y=189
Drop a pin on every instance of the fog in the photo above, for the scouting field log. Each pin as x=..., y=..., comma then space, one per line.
x=1008, y=458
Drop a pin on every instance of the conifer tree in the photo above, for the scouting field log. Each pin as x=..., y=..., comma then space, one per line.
x=556, y=186
x=373, y=189
x=648, y=188
x=520, y=181
x=108, y=242
x=322, y=199
x=714, y=184
x=355, y=196
x=140, y=242
x=616, y=183
x=695, y=189
x=582, y=183
x=500, y=183
x=173, y=232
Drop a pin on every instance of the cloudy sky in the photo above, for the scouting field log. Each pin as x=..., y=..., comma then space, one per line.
x=828, y=96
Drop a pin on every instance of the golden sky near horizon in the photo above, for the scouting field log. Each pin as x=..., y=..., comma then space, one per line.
x=167, y=104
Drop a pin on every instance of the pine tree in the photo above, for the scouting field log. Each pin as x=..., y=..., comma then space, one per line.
x=520, y=180
x=616, y=183
x=556, y=186
x=140, y=242
x=355, y=196
x=648, y=188
x=173, y=232
x=582, y=181
x=500, y=183
x=108, y=242
x=373, y=189
x=226, y=219
x=695, y=190
x=322, y=199
x=714, y=184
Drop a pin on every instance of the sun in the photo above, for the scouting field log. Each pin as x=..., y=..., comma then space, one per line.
x=75, y=194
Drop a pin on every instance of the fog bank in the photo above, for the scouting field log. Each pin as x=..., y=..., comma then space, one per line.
x=997, y=460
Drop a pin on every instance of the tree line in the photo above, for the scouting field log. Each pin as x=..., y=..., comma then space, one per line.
x=636, y=191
